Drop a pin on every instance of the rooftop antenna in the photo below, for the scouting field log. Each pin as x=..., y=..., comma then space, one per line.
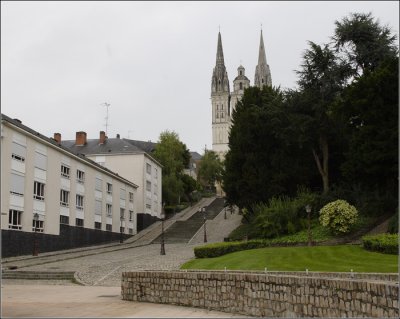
x=106, y=118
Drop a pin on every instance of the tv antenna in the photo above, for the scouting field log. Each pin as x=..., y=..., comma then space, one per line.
x=106, y=118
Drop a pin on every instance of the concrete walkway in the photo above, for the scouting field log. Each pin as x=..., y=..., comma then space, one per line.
x=99, y=270
x=53, y=301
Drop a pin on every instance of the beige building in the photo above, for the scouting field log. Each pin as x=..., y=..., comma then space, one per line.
x=224, y=102
x=132, y=160
x=39, y=176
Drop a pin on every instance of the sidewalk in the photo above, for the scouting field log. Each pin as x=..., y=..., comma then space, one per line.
x=53, y=301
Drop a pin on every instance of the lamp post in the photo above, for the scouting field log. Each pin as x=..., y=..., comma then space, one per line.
x=204, y=217
x=162, y=252
x=121, y=239
x=35, y=242
x=308, y=210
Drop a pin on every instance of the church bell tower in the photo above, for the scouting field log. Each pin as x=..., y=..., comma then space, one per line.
x=220, y=99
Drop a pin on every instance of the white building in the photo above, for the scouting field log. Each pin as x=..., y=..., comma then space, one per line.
x=131, y=159
x=68, y=192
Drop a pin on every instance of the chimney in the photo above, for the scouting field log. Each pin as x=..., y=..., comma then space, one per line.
x=102, y=137
x=118, y=136
x=57, y=137
x=80, y=138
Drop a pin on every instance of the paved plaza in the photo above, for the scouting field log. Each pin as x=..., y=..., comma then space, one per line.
x=99, y=271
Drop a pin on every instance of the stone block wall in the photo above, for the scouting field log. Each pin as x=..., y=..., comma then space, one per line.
x=266, y=294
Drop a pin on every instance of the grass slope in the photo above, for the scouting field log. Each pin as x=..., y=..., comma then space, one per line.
x=339, y=258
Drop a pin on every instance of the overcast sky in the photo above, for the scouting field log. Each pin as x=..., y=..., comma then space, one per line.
x=151, y=61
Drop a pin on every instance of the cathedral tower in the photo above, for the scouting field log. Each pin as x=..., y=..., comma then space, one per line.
x=263, y=74
x=240, y=83
x=220, y=99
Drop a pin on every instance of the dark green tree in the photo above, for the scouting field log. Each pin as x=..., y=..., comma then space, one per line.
x=174, y=156
x=364, y=42
x=322, y=78
x=211, y=168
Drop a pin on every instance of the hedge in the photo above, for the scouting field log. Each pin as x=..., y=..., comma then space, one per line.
x=219, y=249
x=383, y=243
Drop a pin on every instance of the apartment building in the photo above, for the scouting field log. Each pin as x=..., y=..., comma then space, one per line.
x=63, y=197
x=131, y=159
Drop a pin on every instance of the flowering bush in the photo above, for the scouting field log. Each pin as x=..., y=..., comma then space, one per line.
x=338, y=216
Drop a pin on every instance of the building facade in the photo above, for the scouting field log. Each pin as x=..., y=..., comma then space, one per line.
x=131, y=161
x=224, y=101
x=48, y=189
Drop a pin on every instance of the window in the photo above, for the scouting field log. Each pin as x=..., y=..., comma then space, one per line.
x=109, y=188
x=217, y=116
x=222, y=115
x=17, y=184
x=38, y=190
x=108, y=227
x=97, y=225
x=64, y=198
x=240, y=72
x=122, y=229
x=18, y=152
x=122, y=194
x=148, y=168
x=148, y=186
x=109, y=210
x=122, y=213
x=240, y=86
x=130, y=231
x=80, y=176
x=79, y=202
x=222, y=107
x=148, y=206
x=97, y=207
x=38, y=226
x=131, y=215
x=64, y=220
x=79, y=222
x=40, y=161
x=64, y=171
x=99, y=184
x=131, y=197
x=262, y=80
x=156, y=173
x=14, y=219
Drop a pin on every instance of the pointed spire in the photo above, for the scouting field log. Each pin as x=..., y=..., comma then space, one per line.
x=220, y=52
x=261, y=52
x=263, y=74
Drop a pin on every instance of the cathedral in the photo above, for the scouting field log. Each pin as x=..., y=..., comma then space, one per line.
x=224, y=101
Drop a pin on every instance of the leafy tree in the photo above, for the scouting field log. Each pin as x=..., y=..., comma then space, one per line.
x=211, y=168
x=322, y=77
x=174, y=156
x=364, y=42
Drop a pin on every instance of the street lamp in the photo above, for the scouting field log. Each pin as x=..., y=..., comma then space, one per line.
x=162, y=252
x=308, y=210
x=121, y=239
x=35, y=242
x=204, y=216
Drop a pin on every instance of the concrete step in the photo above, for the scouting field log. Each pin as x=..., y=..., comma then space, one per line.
x=38, y=275
x=183, y=231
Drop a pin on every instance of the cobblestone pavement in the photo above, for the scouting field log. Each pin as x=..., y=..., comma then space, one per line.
x=105, y=269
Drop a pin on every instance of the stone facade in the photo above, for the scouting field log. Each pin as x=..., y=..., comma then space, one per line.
x=268, y=294
x=224, y=102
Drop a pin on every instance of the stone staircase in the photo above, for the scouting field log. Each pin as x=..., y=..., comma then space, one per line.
x=38, y=275
x=183, y=231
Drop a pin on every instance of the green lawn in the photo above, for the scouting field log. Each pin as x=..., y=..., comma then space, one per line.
x=340, y=258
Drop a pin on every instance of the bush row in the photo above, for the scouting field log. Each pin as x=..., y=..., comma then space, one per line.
x=219, y=249
x=383, y=243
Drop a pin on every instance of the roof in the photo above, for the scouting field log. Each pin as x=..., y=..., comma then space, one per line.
x=148, y=147
x=195, y=156
x=111, y=146
x=241, y=77
x=80, y=155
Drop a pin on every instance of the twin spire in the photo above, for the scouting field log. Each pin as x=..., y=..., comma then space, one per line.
x=262, y=75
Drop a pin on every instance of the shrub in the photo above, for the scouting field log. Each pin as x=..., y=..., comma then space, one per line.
x=393, y=226
x=383, y=243
x=338, y=216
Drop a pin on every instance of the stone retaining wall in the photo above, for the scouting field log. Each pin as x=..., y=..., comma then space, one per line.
x=265, y=294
